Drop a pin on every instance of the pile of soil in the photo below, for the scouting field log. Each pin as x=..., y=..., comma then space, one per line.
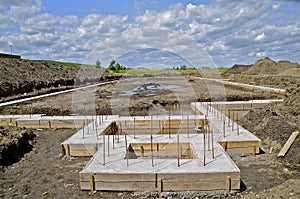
x=22, y=77
x=269, y=67
x=274, y=130
x=237, y=69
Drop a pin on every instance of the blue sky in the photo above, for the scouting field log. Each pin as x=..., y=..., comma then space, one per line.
x=204, y=33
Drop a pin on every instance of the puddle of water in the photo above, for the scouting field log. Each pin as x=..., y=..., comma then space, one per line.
x=148, y=88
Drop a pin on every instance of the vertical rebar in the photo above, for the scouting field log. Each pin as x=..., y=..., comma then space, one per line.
x=232, y=120
x=224, y=124
x=178, y=150
x=187, y=124
x=134, y=127
x=228, y=117
x=83, y=130
x=169, y=127
x=212, y=144
x=103, y=149
x=108, y=145
x=151, y=150
x=237, y=123
x=204, y=149
x=126, y=149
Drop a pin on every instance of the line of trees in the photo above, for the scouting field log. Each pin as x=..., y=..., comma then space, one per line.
x=113, y=66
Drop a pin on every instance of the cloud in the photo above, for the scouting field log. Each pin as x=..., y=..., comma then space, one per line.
x=260, y=37
x=228, y=31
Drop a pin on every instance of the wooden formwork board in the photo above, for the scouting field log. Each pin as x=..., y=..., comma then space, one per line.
x=46, y=123
x=141, y=127
x=7, y=121
x=170, y=181
x=240, y=147
x=84, y=150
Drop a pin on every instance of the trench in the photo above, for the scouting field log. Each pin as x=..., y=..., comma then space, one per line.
x=13, y=151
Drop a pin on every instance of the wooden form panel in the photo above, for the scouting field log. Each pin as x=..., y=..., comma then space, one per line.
x=169, y=182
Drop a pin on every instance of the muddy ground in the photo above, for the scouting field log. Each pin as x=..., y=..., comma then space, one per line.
x=43, y=173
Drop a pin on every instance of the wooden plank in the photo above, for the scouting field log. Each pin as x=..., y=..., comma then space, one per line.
x=199, y=177
x=288, y=144
x=119, y=177
x=120, y=186
x=82, y=153
x=151, y=177
x=168, y=185
x=199, y=186
x=239, y=144
x=244, y=150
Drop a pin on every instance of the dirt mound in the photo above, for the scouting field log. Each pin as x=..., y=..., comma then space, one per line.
x=237, y=69
x=274, y=127
x=23, y=76
x=267, y=66
x=292, y=102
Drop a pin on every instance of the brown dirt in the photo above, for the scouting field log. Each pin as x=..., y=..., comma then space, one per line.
x=23, y=78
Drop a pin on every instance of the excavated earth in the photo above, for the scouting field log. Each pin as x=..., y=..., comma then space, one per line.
x=41, y=172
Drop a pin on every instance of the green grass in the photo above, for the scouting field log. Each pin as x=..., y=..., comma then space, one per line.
x=221, y=70
x=64, y=64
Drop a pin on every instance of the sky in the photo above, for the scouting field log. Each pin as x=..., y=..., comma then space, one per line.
x=214, y=33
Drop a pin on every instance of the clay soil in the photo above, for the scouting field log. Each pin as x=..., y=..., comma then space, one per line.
x=44, y=173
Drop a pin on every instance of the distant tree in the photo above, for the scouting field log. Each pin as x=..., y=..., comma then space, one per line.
x=98, y=64
x=115, y=66
x=183, y=67
x=112, y=65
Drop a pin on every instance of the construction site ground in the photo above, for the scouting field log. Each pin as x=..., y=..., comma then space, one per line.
x=44, y=173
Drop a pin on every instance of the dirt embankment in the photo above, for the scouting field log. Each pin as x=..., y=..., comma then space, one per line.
x=14, y=143
x=23, y=78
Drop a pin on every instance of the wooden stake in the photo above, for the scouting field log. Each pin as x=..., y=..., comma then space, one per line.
x=254, y=150
x=160, y=188
x=68, y=150
x=228, y=184
x=49, y=123
x=142, y=151
x=92, y=183
x=62, y=150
